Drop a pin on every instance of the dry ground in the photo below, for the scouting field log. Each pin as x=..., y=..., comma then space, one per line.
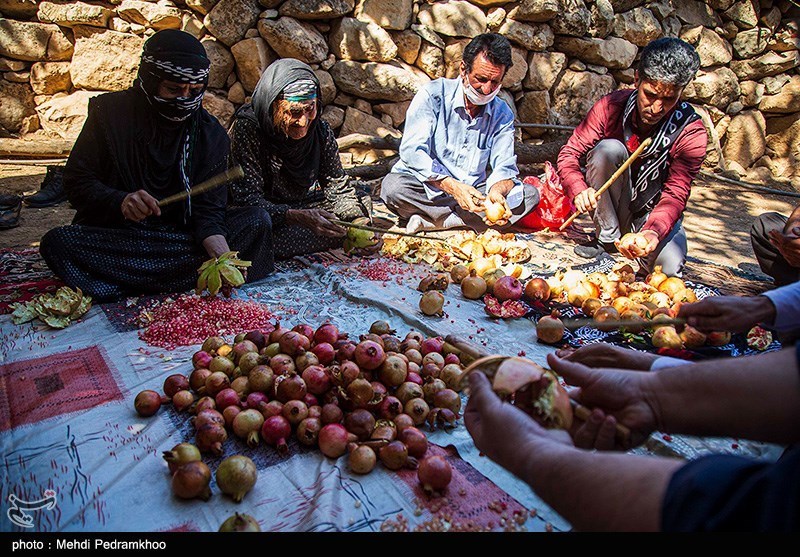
x=717, y=221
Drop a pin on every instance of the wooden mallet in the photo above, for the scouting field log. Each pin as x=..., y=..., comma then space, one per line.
x=642, y=146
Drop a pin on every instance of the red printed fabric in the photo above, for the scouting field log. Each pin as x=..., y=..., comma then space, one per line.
x=42, y=388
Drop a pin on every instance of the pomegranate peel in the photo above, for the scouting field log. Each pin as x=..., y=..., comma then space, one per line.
x=506, y=309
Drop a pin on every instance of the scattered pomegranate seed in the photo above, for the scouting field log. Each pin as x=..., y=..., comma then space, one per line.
x=667, y=438
x=192, y=319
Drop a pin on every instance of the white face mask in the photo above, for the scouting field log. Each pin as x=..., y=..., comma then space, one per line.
x=476, y=97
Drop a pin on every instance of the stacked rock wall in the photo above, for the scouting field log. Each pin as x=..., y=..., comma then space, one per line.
x=372, y=55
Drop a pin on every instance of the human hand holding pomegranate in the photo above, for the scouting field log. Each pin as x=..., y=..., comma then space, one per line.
x=499, y=428
x=728, y=313
x=139, y=205
x=617, y=396
x=316, y=220
x=637, y=244
x=497, y=211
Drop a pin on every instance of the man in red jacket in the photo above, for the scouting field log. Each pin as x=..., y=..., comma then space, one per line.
x=649, y=198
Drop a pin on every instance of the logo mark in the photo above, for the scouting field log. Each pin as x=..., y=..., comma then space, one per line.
x=17, y=512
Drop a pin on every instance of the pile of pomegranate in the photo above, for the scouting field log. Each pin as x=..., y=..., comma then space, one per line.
x=367, y=399
x=618, y=296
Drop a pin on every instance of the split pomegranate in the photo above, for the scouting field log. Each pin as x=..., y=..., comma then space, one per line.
x=236, y=475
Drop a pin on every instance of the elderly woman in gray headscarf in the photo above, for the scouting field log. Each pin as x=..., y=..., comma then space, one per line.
x=291, y=162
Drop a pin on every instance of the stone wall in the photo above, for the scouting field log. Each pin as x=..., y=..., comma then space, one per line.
x=372, y=56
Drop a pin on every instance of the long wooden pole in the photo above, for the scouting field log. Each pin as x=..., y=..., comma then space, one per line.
x=215, y=181
x=642, y=146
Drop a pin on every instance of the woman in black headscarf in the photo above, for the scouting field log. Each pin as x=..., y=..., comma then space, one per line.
x=136, y=147
x=291, y=162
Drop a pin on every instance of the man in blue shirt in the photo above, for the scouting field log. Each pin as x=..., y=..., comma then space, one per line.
x=457, y=153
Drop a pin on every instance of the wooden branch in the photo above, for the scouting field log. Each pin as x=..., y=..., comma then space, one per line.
x=48, y=148
x=377, y=169
x=364, y=140
x=531, y=154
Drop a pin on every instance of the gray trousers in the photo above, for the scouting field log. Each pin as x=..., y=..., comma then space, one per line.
x=769, y=258
x=405, y=196
x=613, y=217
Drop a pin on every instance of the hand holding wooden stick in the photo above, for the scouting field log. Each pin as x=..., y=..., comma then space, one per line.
x=642, y=146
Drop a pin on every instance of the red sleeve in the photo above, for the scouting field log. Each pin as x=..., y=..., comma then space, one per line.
x=686, y=157
x=589, y=133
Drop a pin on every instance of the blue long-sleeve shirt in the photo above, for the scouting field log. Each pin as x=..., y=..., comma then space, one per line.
x=442, y=140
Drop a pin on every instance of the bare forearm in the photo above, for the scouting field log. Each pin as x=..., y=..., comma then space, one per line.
x=755, y=397
x=216, y=245
x=600, y=491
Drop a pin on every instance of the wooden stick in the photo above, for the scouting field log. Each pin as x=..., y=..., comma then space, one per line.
x=475, y=354
x=384, y=231
x=642, y=146
x=215, y=181
x=615, y=324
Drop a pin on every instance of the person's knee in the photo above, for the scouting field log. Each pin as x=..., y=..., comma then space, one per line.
x=608, y=150
x=53, y=243
x=390, y=187
x=766, y=222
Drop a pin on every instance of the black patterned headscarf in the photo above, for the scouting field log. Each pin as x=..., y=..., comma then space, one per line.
x=160, y=145
x=173, y=55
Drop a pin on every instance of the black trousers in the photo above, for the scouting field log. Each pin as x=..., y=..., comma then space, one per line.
x=112, y=263
x=769, y=258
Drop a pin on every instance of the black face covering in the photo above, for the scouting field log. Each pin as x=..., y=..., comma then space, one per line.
x=172, y=55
